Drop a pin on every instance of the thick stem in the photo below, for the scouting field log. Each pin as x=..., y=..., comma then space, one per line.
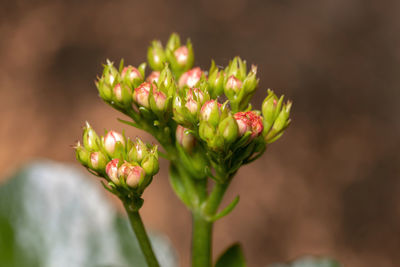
x=201, y=241
x=141, y=235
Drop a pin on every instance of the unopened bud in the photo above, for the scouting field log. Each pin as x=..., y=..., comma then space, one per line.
x=110, y=141
x=185, y=139
x=228, y=128
x=156, y=56
x=150, y=164
x=112, y=171
x=138, y=151
x=190, y=78
x=159, y=99
x=135, y=176
x=233, y=84
x=153, y=77
x=141, y=94
x=181, y=55
x=131, y=73
x=210, y=112
x=82, y=155
x=90, y=138
x=97, y=161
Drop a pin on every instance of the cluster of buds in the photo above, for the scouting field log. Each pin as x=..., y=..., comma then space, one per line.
x=115, y=86
x=125, y=164
x=179, y=57
x=238, y=85
x=217, y=126
x=187, y=104
x=275, y=116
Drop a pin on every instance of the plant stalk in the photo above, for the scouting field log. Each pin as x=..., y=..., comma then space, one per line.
x=201, y=241
x=142, y=237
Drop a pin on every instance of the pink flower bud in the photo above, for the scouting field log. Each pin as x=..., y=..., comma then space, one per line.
x=118, y=92
x=190, y=78
x=153, y=77
x=242, y=122
x=112, y=171
x=111, y=139
x=192, y=106
x=94, y=160
x=233, y=83
x=134, y=73
x=186, y=140
x=141, y=94
x=159, y=98
x=181, y=55
x=135, y=176
x=196, y=92
x=208, y=109
x=249, y=121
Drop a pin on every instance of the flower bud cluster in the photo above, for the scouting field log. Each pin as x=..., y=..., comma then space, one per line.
x=217, y=126
x=187, y=104
x=125, y=164
x=238, y=85
x=179, y=57
x=116, y=86
x=275, y=116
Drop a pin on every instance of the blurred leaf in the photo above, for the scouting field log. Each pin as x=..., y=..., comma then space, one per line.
x=53, y=215
x=232, y=257
x=310, y=262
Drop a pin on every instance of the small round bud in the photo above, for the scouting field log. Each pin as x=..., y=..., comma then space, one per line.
x=159, y=99
x=112, y=171
x=97, y=161
x=118, y=92
x=132, y=72
x=90, y=138
x=135, y=176
x=141, y=94
x=181, y=55
x=229, y=130
x=233, y=83
x=210, y=112
x=110, y=141
x=150, y=164
x=186, y=140
x=153, y=77
x=138, y=151
x=190, y=78
x=82, y=155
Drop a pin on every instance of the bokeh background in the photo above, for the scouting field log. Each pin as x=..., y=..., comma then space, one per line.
x=330, y=186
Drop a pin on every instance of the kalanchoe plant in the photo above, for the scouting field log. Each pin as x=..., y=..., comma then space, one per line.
x=205, y=140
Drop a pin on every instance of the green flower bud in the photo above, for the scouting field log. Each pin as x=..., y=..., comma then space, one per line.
x=228, y=129
x=90, y=138
x=211, y=112
x=138, y=152
x=156, y=56
x=206, y=131
x=97, y=161
x=271, y=108
x=215, y=81
x=107, y=81
x=174, y=42
x=150, y=164
x=122, y=95
x=82, y=155
x=280, y=124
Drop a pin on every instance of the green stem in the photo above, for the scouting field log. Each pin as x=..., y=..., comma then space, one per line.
x=215, y=198
x=201, y=241
x=141, y=235
x=202, y=228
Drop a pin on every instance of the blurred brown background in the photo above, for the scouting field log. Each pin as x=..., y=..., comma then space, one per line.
x=330, y=186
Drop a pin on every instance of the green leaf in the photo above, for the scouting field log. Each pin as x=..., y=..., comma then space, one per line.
x=308, y=261
x=178, y=186
x=54, y=215
x=227, y=210
x=232, y=257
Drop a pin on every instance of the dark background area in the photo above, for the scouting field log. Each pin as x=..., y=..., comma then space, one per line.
x=330, y=186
